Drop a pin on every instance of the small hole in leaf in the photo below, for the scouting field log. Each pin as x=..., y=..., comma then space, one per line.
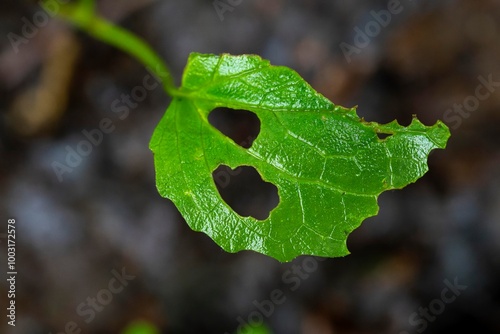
x=383, y=136
x=241, y=126
x=245, y=192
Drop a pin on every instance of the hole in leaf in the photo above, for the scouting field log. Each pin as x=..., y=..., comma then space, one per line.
x=245, y=192
x=383, y=136
x=242, y=126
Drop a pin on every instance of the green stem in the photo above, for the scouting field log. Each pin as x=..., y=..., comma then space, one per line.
x=83, y=16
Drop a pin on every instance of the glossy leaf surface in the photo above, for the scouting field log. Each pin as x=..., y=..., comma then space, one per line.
x=328, y=164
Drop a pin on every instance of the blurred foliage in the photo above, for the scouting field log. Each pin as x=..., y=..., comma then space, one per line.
x=141, y=327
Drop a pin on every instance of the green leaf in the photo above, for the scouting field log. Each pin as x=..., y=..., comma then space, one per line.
x=254, y=329
x=329, y=166
x=140, y=327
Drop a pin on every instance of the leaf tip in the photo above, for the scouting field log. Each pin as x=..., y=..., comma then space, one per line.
x=439, y=133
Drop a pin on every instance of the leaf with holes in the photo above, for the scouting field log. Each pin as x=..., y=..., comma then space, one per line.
x=328, y=164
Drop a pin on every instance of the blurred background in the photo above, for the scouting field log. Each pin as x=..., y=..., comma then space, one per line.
x=98, y=248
